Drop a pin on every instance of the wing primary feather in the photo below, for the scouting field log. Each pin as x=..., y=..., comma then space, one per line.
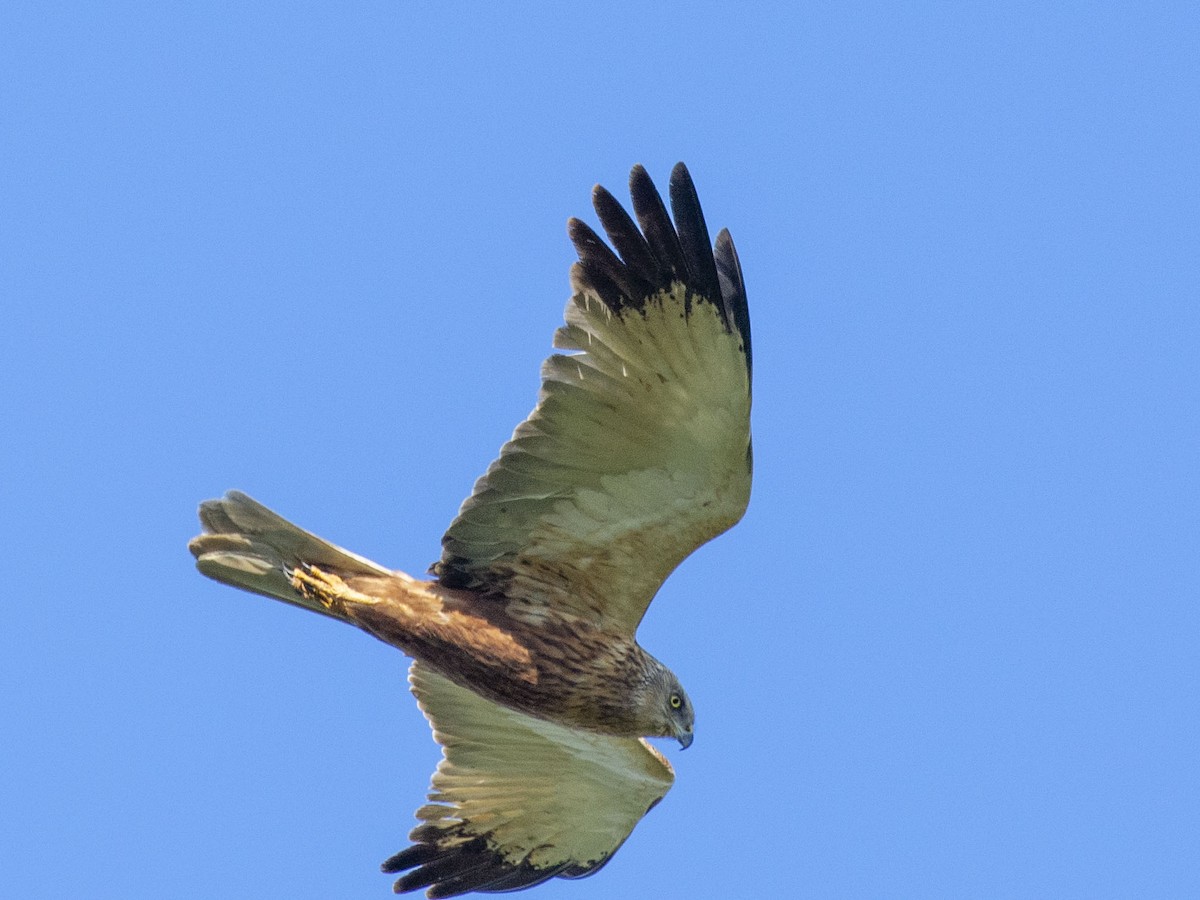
x=588, y=277
x=629, y=241
x=693, y=236
x=733, y=290
x=524, y=876
x=452, y=865
x=476, y=881
x=656, y=224
x=596, y=256
x=416, y=855
x=472, y=866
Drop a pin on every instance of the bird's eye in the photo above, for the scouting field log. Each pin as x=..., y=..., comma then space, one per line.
x=675, y=701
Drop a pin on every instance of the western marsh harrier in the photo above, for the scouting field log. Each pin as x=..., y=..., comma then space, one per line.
x=525, y=657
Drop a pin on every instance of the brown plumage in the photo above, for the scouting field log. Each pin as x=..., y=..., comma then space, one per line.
x=561, y=668
x=525, y=657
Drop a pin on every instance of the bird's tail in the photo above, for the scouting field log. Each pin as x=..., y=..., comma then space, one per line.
x=246, y=545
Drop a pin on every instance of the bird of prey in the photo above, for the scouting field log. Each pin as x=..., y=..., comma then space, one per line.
x=525, y=657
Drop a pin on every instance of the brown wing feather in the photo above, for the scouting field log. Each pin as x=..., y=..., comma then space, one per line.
x=517, y=800
x=639, y=448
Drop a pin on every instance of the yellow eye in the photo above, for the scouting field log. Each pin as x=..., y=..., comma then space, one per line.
x=675, y=701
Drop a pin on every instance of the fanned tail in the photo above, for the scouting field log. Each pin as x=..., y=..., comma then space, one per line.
x=248, y=546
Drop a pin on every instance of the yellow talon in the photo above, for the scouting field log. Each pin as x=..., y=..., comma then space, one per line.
x=329, y=590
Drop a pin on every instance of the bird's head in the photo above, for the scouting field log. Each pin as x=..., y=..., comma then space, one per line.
x=666, y=708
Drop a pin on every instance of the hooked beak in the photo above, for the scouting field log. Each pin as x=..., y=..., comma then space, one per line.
x=685, y=739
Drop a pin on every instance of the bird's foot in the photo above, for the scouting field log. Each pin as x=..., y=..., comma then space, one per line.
x=327, y=589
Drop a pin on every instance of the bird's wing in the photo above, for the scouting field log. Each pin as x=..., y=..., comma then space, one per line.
x=516, y=800
x=638, y=450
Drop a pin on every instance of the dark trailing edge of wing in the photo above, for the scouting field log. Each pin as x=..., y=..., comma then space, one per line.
x=471, y=866
x=659, y=253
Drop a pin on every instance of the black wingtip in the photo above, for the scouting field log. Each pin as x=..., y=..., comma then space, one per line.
x=659, y=232
x=629, y=242
x=693, y=234
x=657, y=250
x=448, y=871
x=416, y=855
x=733, y=289
x=597, y=259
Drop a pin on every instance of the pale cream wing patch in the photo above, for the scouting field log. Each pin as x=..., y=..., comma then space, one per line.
x=516, y=800
x=638, y=452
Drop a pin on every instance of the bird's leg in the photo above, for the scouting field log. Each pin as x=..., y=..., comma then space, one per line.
x=328, y=589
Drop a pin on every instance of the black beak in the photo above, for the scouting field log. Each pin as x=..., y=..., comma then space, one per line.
x=685, y=740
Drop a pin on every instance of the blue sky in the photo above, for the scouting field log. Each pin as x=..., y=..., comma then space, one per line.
x=317, y=252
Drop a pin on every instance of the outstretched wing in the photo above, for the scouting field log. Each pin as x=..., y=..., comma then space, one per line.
x=638, y=450
x=518, y=800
